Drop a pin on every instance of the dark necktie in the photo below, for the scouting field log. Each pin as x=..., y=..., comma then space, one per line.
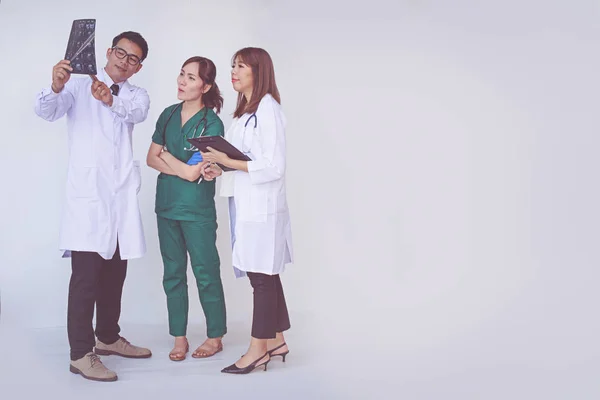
x=115, y=89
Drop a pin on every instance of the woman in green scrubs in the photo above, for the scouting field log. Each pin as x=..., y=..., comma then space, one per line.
x=185, y=207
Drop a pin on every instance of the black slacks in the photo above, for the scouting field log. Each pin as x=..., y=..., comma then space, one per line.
x=94, y=282
x=270, y=311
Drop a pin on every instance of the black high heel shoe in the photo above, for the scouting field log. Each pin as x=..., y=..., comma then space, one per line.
x=234, y=369
x=280, y=354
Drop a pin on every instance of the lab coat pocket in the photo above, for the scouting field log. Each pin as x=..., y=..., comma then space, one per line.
x=259, y=202
x=137, y=176
x=250, y=204
x=82, y=182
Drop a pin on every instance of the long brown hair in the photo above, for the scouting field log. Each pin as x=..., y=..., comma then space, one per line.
x=263, y=75
x=208, y=72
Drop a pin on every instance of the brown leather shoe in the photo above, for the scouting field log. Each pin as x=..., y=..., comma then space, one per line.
x=122, y=348
x=90, y=367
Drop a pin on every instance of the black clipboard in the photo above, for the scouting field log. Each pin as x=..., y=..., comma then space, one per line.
x=219, y=143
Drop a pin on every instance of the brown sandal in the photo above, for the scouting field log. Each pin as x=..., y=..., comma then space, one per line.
x=201, y=353
x=178, y=355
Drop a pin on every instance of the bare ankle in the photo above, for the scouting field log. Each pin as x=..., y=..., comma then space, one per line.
x=258, y=346
x=277, y=340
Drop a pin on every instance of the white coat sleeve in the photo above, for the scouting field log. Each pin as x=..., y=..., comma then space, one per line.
x=134, y=110
x=270, y=162
x=52, y=106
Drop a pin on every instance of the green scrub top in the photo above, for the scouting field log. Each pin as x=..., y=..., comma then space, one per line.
x=176, y=198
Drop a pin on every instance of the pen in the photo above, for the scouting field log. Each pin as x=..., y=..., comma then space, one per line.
x=201, y=177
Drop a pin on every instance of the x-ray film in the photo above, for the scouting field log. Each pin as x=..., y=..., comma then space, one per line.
x=81, y=49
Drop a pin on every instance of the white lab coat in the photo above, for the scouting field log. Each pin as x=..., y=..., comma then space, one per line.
x=102, y=178
x=261, y=231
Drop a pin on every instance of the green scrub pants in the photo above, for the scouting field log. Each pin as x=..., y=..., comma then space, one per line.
x=177, y=238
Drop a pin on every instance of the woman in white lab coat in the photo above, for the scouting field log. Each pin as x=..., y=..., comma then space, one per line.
x=258, y=210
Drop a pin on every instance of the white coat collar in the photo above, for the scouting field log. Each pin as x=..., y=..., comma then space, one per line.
x=104, y=77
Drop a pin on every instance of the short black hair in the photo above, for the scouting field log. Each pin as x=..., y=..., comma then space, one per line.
x=135, y=38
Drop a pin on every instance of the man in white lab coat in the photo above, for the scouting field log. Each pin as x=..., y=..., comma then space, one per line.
x=101, y=224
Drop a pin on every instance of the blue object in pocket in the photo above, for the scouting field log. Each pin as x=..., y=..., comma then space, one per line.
x=195, y=158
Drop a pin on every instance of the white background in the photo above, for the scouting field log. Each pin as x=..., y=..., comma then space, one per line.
x=442, y=181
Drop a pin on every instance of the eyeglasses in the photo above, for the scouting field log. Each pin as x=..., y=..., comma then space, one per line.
x=132, y=59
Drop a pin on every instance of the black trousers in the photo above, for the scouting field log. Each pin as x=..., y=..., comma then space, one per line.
x=270, y=311
x=99, y=282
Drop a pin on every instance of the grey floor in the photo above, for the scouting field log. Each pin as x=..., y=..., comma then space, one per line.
x=37, y=365
x=34, y=364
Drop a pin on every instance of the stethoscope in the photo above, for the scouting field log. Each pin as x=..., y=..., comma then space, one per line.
x=192, y=147
x=248, y=120
x=244, y=149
